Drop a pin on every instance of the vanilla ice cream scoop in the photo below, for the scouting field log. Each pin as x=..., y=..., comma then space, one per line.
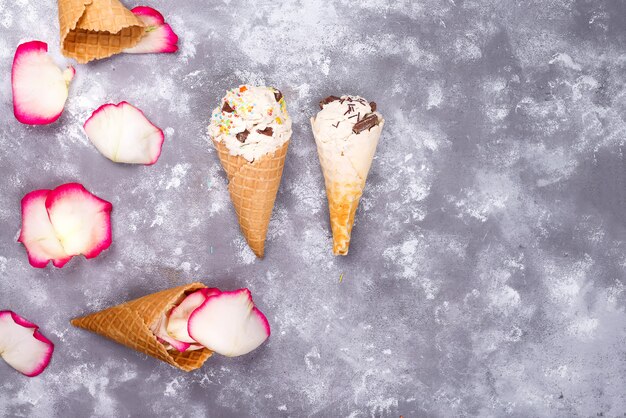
x=251, y=121
x=345, y=117
x=346, y=131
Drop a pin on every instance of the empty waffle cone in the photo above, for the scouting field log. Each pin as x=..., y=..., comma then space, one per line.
x=95, y=29
x=129, y=324
x=253, y=187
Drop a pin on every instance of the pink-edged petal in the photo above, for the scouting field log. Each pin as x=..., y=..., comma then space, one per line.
x=169, y=347
x=81, y=220
x=229, y=324
x=194, y=347
x=39, y=86
x=179, y=316
x=160, y=331
x=38, y=235
x=148, y=15
x=159, y=36
x=22, y=346
x=123, y=134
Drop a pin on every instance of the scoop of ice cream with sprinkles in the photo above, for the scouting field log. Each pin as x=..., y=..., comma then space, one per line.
x=251, y=121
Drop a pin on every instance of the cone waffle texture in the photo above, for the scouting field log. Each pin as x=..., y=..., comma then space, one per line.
x=343, y=200
x=129, y=324
x=345, y=171
x=95, y=29
x=253, y=187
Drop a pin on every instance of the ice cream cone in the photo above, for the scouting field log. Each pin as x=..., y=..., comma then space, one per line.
x=129, y=324
x=346, y=151
x=253, y=187
x=95, y=29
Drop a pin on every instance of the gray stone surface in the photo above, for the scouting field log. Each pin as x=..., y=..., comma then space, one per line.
x=487, y=269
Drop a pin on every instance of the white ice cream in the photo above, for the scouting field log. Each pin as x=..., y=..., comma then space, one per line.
x=349, y=153
x=253, y=110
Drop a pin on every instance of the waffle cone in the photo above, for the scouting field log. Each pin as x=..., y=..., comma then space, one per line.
x=129, y=324
x=95, y=29
x=344, y=188
x=343, y=200
x=253, y=187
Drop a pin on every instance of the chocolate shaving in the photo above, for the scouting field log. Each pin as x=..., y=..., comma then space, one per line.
x=337, y=125
x=242, y=136
x=226, y=108
x=350, y=109
x=267, y=131
x=353, y=116
x=278, y=95
x=367, y=122
x=327, y=100
x=373, y=106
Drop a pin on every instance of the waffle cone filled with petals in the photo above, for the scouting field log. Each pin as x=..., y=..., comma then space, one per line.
x=129, y=324
x=253, y=187
x=95, y=29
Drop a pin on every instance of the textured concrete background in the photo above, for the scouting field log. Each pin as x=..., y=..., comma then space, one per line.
x=488, y=266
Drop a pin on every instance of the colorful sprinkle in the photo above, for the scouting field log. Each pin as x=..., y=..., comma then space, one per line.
x=243, y=108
